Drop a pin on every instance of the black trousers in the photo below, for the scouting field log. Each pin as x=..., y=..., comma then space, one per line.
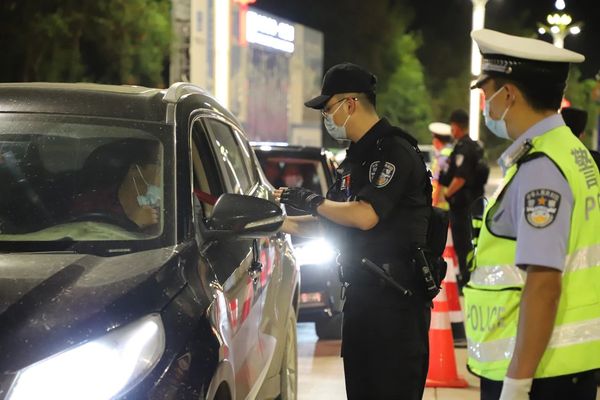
x=385, y=344
x=580, y=386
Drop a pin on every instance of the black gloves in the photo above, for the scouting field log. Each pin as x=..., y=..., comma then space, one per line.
x=302, y=199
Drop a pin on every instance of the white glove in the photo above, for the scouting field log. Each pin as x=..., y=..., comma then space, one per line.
x=516, y=389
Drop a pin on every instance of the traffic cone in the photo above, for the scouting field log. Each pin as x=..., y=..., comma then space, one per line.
x=442, y=363
x=456, y=315
x=452, y=253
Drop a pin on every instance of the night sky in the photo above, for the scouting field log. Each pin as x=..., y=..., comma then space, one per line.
x=445, y=26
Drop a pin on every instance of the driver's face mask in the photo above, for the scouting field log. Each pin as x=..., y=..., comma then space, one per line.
x=153, y=192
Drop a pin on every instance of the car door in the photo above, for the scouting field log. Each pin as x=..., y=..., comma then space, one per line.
x=237, y=263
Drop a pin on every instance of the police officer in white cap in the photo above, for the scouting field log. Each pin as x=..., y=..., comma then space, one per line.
x=533, y=300
x=441, y=139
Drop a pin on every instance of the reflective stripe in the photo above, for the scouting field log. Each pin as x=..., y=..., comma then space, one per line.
x=509, y=275
x=498, y=275
x=586, y=257
x=439, y=321
x=497, y=350
x=575, y=333
x=562, y=336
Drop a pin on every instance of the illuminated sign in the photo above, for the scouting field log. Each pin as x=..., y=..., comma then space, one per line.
x=267, y=31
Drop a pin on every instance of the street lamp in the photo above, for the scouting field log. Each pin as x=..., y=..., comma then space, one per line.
x=474, y=98
x=559, y=26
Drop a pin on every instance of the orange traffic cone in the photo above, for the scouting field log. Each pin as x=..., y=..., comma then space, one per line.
x=442, y=363
x=456, y=316
x=451, y=253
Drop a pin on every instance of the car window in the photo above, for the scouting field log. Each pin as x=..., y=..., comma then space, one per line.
x=207, y=185
x=230, y=157
x=247, y=157
x=80, y=180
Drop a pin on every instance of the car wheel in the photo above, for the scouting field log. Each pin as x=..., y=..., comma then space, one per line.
x=329, y=328
x=289, y=363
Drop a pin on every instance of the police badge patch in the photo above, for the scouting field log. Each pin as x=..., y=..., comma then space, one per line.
x=459, y=159
x=541, y=206
x=386, y=175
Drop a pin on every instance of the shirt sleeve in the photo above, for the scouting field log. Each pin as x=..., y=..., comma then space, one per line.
x=384, y=193
x=463, y=162
x=542, y=221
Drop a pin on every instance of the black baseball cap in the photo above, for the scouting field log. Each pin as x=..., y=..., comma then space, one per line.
x=343, y=78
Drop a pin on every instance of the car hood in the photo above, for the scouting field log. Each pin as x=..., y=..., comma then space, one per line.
x=49, y=302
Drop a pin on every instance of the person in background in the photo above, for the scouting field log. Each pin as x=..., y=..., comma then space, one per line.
x=292, y=176
x=441, y=138
x=533, y=300
x=576, y=120
x=273, y=173
x=464, y=188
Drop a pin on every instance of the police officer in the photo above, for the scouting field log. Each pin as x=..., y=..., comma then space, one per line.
x=378, y=210
x=464, y=191
x=533, y=301
x=441, y=139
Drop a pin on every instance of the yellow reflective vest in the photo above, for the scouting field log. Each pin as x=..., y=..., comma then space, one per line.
x=444, y=154
x=493, y=293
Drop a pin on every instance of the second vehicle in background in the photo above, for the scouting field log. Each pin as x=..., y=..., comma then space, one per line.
x=312, y=168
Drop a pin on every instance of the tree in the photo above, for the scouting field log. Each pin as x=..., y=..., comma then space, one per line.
x=112, y=41
x=579, y=93
x=406, y=102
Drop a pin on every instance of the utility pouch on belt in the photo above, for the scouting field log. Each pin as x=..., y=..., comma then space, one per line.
x=432, y=270
x=430, y=261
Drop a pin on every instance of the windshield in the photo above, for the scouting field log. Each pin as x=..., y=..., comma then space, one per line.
x=81, y=180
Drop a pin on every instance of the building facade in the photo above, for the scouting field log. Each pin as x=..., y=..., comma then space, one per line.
x=260, y=66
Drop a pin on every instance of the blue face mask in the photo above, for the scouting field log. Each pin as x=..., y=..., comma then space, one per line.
x=336, y=132
x=153, y=193
x=496, y=126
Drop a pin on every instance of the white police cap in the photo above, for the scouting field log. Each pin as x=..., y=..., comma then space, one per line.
x=440, y=128
x=522, y=59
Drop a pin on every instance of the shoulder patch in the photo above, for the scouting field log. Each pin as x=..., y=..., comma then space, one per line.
x=459, y=159
x=541, y=206
x=386, y=175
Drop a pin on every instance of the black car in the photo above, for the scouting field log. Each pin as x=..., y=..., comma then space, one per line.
x=313, y=168
x=139, y=253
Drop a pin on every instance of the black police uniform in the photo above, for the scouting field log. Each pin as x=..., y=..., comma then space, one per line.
x=385, y=334
x=468, y=200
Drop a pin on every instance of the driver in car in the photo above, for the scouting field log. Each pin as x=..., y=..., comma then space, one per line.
x=120, y=185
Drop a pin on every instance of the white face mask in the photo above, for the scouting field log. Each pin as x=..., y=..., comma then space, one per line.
x=153, y=192
x=496, y=126
x=336, y=132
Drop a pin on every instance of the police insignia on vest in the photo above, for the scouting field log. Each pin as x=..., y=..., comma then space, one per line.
x=386, y=174
x=459, y=159
x=541, y=206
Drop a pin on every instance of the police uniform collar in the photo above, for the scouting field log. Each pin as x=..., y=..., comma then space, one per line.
x=364, y=147
x=516, y=150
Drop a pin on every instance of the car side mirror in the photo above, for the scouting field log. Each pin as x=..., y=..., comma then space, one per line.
x=240, y=216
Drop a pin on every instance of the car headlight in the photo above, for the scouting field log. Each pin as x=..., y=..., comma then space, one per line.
x=97, y=370
x=317, y=251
